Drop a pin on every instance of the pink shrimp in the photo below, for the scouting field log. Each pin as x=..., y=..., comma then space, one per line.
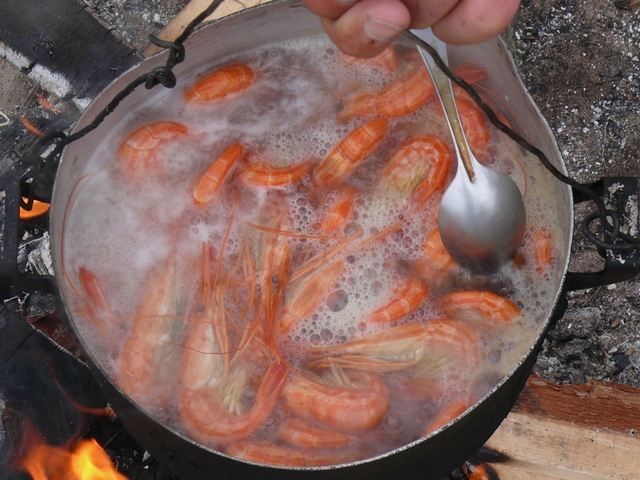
x=350, y=401
x=403, y=96
x=480, y=308
x=407, y=297
x=215, y=175
x=138, y=152
x=349, y=153
x=202, y=361
x=216, y=414
x=221, y=84
x=261, y=174
x=408, y=345
x=148, y=355
x=436, y=265
x=299, y=432
x=339, y=205
x=387, y=60
x=418, y=168
x=270, y=454
x=96, y=308
x=449, y=413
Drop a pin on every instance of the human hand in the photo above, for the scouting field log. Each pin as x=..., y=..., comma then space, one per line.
x=363, y=28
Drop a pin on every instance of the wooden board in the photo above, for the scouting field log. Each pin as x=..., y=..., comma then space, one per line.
x=570, y=432
x=193, y=9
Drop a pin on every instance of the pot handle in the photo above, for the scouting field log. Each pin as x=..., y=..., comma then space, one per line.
x=621, y=195
x=12, y=279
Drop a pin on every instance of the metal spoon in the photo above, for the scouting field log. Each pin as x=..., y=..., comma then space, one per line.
x=482, y=214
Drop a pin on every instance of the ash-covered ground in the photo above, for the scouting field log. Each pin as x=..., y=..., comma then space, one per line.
x=580, y=61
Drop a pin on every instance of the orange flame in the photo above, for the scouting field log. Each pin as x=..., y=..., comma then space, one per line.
x=85, y=461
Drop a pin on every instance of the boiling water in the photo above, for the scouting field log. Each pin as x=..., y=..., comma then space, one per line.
x=125, y=229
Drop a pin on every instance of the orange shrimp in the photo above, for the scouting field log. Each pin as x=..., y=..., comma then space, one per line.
x=215, y=175
x=221, y=84
x=403, y=96
x=349, y=153
x=217, y=415
x=387, y=60
x=542, y=251
x=339, y=205
x=262, y=174
x=348, y=401
x=138, y=152
x=449, y=413
x=408, y=345
x=201, y=362
x=480, y=308
x=305, y=294
x=299, y=432
x=148, y=355
x=279, y=455
x=419, y=167
x=407, y=297
x=97, y=308
x=398, y=99
x=436, y=265
x=475, y=127
x=273, y=258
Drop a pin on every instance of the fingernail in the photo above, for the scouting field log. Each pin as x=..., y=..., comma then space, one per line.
x=380, y=30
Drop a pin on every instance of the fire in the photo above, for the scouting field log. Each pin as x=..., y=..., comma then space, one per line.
x=86, y=460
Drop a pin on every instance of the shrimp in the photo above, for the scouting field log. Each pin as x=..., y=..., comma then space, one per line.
x=398, y=99
x=339, y=206
x=217, y=414
x=426, y=345
x=303, y=433
x=418, y=168
x=212, y=179
x=449, y=413
x=436, y=265
x=279, y=455
x=542, y=251
x=346, y=400
x=138, y=152
x=349, y=153
x=148, y=355
x=480, y=308
x=475, y=127
x=408, y=296
x=96, y=308
x=403, y=96
x=387, y=60
x=261, y=174
x=201, y=362
x=273, y=258
x=221, y=84
x=304, y=295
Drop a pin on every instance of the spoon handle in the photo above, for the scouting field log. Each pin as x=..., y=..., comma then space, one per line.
x=444, y=91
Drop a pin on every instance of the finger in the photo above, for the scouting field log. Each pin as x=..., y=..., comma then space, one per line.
x=331, y=9
x=368, y=27
x=473, y=21
x=427, y=13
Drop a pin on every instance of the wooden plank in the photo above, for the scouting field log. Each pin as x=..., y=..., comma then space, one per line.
x=192, y=10
x=570, y=432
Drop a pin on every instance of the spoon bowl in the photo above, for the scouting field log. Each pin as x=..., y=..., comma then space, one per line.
x=481, y=215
